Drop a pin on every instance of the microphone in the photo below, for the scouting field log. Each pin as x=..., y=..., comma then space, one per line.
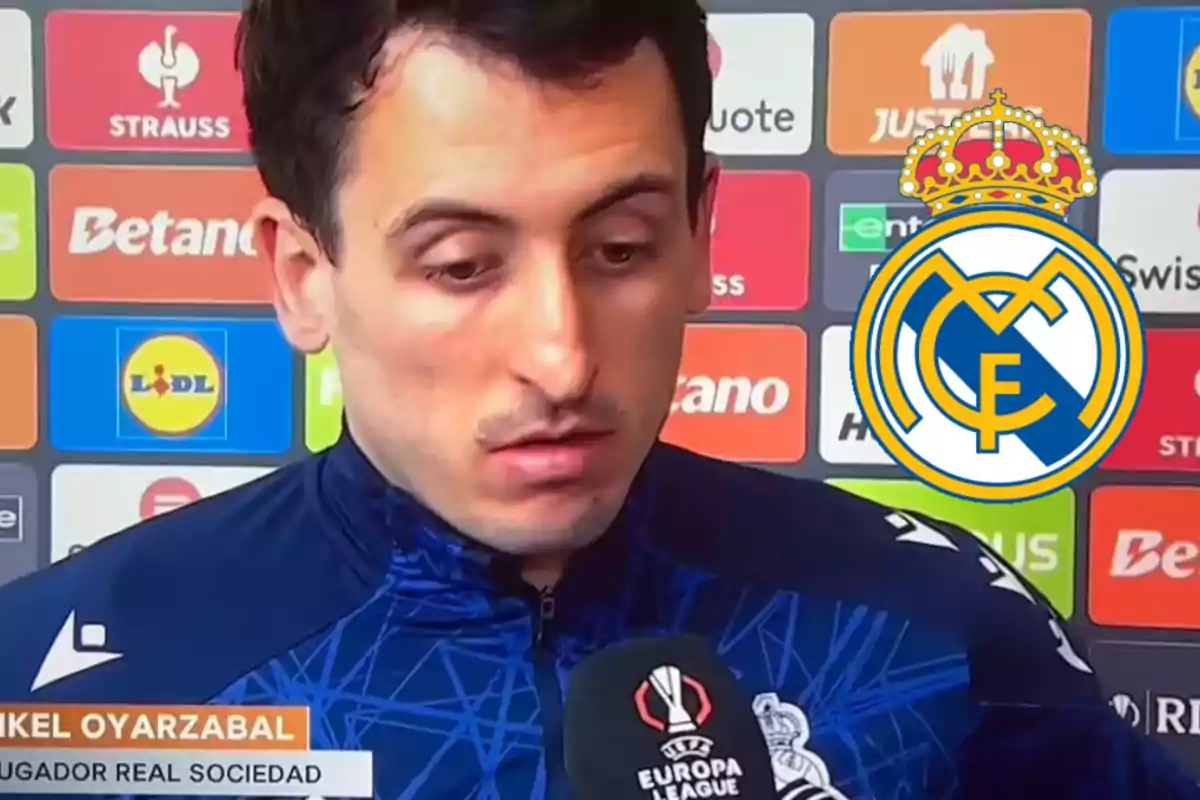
x=662, y=719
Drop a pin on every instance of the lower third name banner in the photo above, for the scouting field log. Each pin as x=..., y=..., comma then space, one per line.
x=180, y=773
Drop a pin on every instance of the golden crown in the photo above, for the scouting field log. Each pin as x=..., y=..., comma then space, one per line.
x=953, y=167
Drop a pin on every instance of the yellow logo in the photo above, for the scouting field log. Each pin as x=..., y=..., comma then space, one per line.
x=172, y=385
x=1191, y=81
x=998, y=353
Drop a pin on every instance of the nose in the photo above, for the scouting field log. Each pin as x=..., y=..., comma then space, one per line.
x=554, y=354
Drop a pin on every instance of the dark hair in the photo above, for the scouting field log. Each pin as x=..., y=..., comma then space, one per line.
x=306, y=64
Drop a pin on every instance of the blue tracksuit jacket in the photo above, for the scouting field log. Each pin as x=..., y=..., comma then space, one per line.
x=890, y=657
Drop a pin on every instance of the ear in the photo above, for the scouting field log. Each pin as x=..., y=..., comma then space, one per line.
x=300, y=272
x=700, y=294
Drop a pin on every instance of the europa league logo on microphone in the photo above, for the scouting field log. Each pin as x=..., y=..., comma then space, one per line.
x=672, y=687
x=678, y=705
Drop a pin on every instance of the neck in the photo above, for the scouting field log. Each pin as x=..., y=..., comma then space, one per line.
x=544, y=571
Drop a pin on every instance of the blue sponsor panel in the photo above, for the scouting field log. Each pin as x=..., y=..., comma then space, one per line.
x=148, y=385
x=1152, y=87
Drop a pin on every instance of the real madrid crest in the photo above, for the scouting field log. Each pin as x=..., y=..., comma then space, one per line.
x=998, y=353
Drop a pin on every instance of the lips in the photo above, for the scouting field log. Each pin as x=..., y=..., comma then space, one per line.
x=543, y=460
x=565, y=440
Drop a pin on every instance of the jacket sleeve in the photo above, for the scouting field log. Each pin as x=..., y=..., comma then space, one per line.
x=1044, y=729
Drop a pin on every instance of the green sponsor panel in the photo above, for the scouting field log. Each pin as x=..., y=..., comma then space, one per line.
x=18, y=233
x=322, y=401
x=1037, y=537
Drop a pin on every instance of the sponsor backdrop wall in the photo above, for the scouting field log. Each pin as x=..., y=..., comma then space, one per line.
x=142, y=369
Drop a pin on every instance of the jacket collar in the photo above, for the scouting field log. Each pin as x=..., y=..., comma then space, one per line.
x=392, y=530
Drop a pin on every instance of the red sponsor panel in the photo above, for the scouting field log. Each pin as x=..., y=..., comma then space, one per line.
x=761, y=240
x=741, y=393
x=143, y=80
x=155, y=234
x=1164, y=434
x=1144, y=557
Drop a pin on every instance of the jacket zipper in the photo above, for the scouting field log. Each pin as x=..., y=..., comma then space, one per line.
x=545, y=680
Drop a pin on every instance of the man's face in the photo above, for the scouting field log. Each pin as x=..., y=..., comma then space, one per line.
x=508, y=305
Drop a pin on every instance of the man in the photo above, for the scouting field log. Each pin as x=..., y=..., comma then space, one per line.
x=497, y=214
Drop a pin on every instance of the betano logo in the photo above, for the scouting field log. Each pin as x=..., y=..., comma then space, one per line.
x=740, y=393
x=172, y=385
x=1144, y=563
x=155, y=234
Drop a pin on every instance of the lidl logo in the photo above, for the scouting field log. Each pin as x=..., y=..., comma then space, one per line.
x=322, y=401
x=1152, y=81
x=1037, y=537
x=172, y=385
x=169, y=385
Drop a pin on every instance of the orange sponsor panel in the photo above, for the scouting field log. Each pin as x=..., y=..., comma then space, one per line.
x=19, y=400
x=1144, y=557
x=894, y=75
x=741, y=393
x=155, y=727
x=151, y=234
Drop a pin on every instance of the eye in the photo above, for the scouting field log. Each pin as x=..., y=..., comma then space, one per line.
x=462, y=275
x=623, y=254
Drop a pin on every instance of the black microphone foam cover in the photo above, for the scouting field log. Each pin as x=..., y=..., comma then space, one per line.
x=662, y=719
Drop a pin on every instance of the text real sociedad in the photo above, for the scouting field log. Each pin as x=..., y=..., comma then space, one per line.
x=142, y=772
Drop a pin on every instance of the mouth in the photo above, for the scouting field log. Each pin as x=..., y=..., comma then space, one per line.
x=544, y=459
x=576, y=437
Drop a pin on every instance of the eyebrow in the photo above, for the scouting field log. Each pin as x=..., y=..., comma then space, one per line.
x=445, y=210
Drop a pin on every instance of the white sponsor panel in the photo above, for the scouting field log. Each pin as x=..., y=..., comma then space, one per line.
x=763, y=84
x=16, y=79
x=1150, y=226
x=844, y=437
x=91, y=501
